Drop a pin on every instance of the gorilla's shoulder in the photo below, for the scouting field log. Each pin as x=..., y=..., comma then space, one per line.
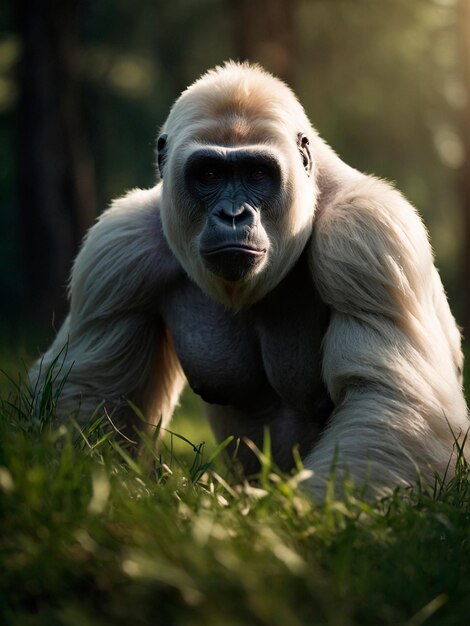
x=370, y=251
x=134, y=222
x=127, y=246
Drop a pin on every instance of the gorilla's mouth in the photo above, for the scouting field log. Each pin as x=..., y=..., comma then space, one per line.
x=232, y=262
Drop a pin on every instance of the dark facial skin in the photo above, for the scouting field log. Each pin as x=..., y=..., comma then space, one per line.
x=233, y=189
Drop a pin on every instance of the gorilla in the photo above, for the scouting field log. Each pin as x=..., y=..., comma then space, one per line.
x=289, y=290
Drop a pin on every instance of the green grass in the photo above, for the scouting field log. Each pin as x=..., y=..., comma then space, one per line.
x=90, y=535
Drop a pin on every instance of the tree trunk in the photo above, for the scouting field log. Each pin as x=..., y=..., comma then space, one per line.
x=56, y=180
x=265, y=32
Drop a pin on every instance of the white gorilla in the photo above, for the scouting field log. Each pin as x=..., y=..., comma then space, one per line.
x=290, y=290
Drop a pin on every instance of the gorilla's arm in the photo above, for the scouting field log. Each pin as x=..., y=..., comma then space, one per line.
x=113, y=345
x=392, y=351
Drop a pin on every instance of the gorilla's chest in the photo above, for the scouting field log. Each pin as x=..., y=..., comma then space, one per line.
x=218, y=351
x=251, y=359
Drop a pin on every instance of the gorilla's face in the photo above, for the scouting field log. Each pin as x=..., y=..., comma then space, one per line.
x=238, y=196
x=234, y=191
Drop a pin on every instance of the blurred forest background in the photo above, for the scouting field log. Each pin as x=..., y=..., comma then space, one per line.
x=85, y=85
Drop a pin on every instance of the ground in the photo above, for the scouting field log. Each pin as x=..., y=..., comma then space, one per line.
x=91, y=536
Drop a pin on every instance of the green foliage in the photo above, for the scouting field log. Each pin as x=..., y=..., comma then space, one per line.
x=91, y=533
x=382, y=82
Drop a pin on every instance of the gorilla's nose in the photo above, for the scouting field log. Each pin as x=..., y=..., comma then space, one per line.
x=234, y=213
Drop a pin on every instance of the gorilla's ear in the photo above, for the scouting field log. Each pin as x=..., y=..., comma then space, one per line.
x=161, y=152
x=303, y=144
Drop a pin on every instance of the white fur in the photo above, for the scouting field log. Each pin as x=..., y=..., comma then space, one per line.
x=392, y=352
x=114, y=350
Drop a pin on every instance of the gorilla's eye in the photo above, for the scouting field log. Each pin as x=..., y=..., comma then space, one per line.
x=209, y=175
x=257, y=174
